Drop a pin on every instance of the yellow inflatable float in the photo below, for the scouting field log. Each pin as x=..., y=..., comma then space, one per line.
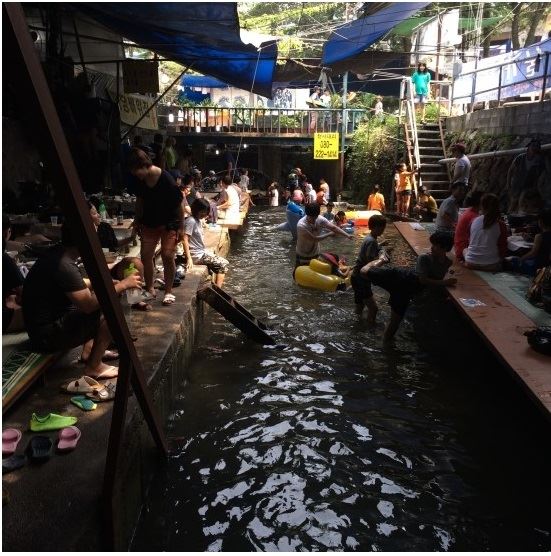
x=360, y=217
x=317, y=275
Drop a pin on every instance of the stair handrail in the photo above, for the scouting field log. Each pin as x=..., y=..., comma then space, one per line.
x=442, y=140
x=410, y=113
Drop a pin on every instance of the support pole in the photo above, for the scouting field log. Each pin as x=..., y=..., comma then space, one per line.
x=544, y=80
x=343, y=129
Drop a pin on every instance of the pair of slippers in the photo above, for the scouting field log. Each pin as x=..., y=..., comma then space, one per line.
x=169, y=299
x=39, y=449
x=91, y=389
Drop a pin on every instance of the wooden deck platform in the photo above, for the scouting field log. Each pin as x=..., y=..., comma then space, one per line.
x=499, y=322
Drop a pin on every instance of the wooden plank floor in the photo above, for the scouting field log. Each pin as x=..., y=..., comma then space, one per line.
x=499, y=323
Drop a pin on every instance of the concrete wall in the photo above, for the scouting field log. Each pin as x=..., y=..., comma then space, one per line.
x=521, y=119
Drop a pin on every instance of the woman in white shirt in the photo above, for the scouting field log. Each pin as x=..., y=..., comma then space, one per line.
x=273, y=194
x=488, y=237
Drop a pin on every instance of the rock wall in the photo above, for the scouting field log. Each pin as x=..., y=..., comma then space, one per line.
x=492, y=130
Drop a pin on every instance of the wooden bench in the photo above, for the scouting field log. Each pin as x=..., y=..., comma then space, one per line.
x=21, y=367
x=499, y=323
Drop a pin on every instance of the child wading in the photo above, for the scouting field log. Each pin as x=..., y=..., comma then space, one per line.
x=370, y=250
x=402, y=284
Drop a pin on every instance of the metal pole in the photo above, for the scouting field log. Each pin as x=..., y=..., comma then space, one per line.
x=438, y=41
x=343, y=130
x=545, y=69
x=499, y=85
x=155, y=103
x=473, y=93
x=508, y=152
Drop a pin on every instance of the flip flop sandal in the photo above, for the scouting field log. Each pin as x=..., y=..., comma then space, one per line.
x=142, y=306
x=169, y=299
x=84, y=403
x=109, y=355
x=104, y=395
x=68, y=439
x=109, y=372
x=13, y=463
x=10, y=440
x=81, y=385
x=39, y=449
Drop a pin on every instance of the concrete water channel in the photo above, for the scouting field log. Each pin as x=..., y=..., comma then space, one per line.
x=335, y=442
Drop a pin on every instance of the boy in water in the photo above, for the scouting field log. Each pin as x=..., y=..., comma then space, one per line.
x=370, y=250
x=402, y=284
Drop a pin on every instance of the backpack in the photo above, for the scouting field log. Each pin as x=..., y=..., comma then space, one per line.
x=540, y=339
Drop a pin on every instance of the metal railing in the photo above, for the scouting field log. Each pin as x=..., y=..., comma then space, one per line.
x=268, y=121
x=538, y=59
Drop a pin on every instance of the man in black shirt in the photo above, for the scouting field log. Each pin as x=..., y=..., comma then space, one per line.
x=61, y=312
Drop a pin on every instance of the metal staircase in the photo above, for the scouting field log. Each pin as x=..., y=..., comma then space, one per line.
x=435, y=176
x=424, y=146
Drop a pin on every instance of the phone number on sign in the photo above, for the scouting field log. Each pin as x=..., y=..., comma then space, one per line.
x=320, y=153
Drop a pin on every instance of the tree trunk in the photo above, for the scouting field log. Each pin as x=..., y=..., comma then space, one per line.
x=536, y=16
x=515, y=25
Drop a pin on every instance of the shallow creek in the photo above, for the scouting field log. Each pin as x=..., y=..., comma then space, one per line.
x=335, y=442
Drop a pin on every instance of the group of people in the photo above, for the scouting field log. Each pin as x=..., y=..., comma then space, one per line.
x=69, y=315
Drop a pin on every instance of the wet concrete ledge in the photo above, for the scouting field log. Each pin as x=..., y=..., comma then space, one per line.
x=57, y=506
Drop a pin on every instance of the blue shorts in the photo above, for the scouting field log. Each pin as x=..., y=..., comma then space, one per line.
x=420, y=99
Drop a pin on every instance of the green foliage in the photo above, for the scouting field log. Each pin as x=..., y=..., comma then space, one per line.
x=291, y=47
x=370, y=158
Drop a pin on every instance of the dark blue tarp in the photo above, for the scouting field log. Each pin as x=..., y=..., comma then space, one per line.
x=355, y=36
x=203, y=81
x=205, y=34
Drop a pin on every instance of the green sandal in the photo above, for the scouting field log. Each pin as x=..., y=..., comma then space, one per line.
x=51, y=422
x=84, y=403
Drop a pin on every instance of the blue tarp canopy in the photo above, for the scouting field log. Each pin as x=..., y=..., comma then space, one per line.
x=203, y=81
x=355, y=36
x=205, y=34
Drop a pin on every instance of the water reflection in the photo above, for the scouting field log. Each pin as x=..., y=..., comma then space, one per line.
x=334, y=443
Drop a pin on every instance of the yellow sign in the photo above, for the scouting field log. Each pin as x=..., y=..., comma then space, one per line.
x=132, y=107
x=326, y=146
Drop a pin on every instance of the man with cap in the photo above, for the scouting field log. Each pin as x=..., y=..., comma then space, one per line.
x=462, y=168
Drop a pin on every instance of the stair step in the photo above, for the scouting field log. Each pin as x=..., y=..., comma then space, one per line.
x=433, y=156
x=432, y=165
x=431, y=148
x=432, y=182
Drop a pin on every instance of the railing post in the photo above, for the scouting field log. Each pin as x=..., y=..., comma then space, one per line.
x=499, y=85
x=473, y=91
x=545, y=69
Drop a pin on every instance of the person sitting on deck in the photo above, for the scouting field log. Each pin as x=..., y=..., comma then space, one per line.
x=12, y=286
x=463, y=228
x=340, y=219
x=539, y=255
x=402, y=284
x=376, y=201
x=325, y=187
x=194, y=245
x=426, y=208
x=231, y=204
x=448, y=213
x=109, y=241
x=310, y=232
x=370, y=250
x=61, y=312
x=488, y=237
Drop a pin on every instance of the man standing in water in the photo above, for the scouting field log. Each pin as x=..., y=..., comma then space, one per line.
x=310, y=231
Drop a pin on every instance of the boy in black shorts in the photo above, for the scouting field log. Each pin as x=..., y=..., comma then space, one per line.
x=402, y=283
x=370, y=250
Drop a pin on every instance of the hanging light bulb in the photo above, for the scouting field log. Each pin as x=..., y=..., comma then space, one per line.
x=171, y=117
x=217, y=152
x=245, y=146
x=198, y=129
x=217, y=128
x=180, y=115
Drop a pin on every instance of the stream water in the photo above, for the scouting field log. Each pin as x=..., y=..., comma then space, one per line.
x=335, y=442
